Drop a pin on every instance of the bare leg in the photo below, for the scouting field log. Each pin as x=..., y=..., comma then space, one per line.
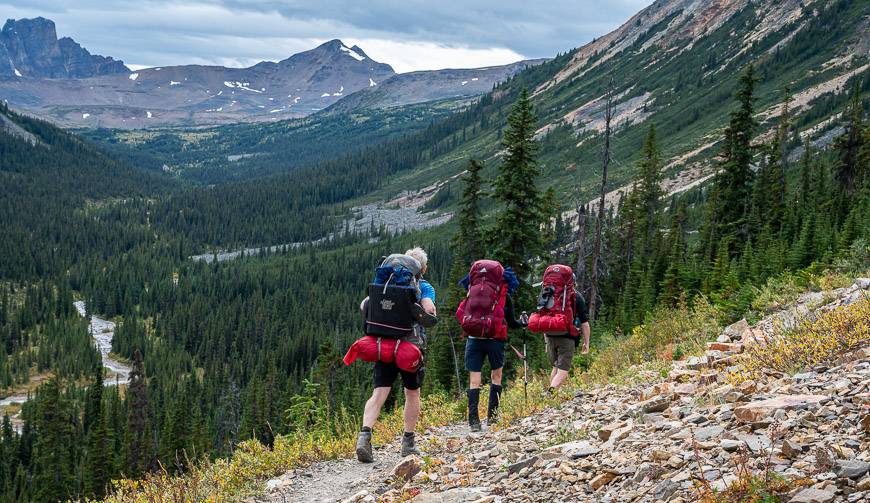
x=495, y=375
x=553, y=375
x=412, y=409
x=474, y=380
x=559, y=378
x=374, y=404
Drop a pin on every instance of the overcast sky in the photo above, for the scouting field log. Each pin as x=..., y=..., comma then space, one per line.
x=407, y=34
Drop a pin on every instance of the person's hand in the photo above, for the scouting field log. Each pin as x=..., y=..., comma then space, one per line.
x=585, y=350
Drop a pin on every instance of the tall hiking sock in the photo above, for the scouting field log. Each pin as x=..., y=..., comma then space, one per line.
x=366, y=429
x=473, y=403
x=494, y=397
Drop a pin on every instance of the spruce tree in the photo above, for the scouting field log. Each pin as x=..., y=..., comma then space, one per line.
x=649, y=190
x=53, y=477
x=517, y=234
x=736, y=179
x=467, y=244
x=138, y=440
x=848, y=145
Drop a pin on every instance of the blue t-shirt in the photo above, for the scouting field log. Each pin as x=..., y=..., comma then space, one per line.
x=427, y=291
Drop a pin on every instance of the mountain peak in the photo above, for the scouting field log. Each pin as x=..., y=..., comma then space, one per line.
x=30, y=48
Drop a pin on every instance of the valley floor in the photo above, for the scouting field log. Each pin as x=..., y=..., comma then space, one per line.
x=678, y=438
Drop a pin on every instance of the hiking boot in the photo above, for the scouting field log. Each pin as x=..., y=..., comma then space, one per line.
x=408, y=447
x=473, y=402
x=494, y=398
x=364, y=447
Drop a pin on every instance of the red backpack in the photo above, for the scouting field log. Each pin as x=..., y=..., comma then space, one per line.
x=481, y=314
x=555, y=314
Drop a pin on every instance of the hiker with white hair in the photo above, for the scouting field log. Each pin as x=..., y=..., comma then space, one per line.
x=399, y=305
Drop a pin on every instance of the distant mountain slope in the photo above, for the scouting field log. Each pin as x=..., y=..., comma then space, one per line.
x=29, y=48
x=195, y=94
x=418, y=87
x=59, y=81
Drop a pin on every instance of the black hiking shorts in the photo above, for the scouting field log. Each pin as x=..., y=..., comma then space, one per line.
x=386, y=373
x=478, y=349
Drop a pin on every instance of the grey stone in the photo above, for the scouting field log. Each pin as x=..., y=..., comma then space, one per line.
x=813, y=496
x=853, y=469
x=583, y=452
x=523, y=463
x=706, y=433
x=728, y=445
x=463, y=495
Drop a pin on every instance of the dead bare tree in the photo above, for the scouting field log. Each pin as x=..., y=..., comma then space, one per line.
x=580, y=267
x=596, y=247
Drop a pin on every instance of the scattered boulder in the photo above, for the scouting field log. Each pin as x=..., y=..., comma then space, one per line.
x=461, y=495
x=852, y=469
x=407, y=468
x=754, y=412
x=813, y=496
x=602, y=480
x=523, y=463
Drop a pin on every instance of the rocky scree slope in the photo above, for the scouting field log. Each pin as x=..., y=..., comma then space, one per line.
x=676, y=64
x=647, y=443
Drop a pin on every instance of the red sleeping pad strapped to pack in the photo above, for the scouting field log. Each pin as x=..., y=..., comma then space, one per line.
x=558, y=317
x=373, y=349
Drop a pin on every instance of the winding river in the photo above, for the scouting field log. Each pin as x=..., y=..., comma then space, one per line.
x=103, y=331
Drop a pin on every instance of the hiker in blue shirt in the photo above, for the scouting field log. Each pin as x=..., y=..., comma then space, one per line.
x=385, y=374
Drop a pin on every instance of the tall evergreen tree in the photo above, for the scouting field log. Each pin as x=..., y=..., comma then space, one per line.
x=53, y=477
x=467, y=244
x=517, y=233
x=139, y=439
x=849, y=144
x=736, y=177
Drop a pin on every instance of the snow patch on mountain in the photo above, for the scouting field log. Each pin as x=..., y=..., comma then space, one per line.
x=17, y=73
x=350, y=52
x=134, y=76
x=174, y=83
x=372, y=83
x=243, y=86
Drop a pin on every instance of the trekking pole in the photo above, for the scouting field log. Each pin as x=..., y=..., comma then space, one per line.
x=455, y=366
x=525, y=366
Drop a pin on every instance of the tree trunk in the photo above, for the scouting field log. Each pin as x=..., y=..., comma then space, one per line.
x=596, y=247
x=581, y=247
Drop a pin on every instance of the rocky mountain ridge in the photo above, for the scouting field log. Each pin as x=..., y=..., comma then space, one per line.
x=60, y=81
x=670, y=439
x=29, y=48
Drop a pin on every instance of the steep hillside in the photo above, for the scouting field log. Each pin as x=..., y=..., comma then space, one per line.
x=675, y=64
x=50, y=178
x=423, y=86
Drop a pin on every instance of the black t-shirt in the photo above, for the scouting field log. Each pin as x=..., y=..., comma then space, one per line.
x=581, y=312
